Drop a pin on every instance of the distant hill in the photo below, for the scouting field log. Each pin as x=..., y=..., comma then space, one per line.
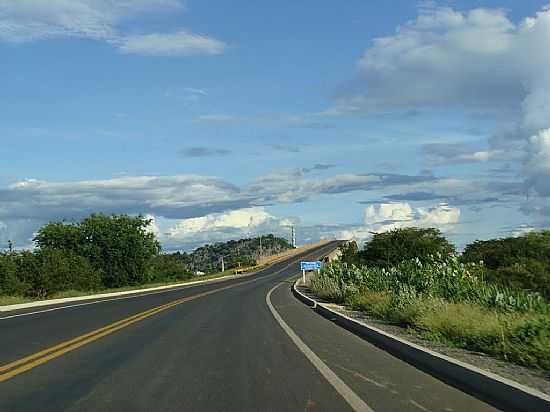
x=243, y=252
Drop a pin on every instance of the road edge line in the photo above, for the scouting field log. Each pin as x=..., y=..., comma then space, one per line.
x=137, y=292
x=160, y=289
x=501, y=392
x=355, y=402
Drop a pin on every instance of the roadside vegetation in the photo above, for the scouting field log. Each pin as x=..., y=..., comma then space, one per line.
x=498, y=307
x=113, y=253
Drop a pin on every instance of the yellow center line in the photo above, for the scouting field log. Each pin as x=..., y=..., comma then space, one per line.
x=27, y=363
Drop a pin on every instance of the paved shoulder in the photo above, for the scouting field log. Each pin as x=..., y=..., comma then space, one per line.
x=380, y=379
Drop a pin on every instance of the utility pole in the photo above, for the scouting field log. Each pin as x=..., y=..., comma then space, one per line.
x=223, y=265
x=261, y=252
x=293, y=237
x=10, y=246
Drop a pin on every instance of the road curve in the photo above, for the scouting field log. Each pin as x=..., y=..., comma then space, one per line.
x=211, y=347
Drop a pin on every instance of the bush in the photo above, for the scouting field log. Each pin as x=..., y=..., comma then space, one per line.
x=166, y=268
x=42, y=273
x=119, y=246
x=448, y=301
x=350, y=253
x=389, y=248
x=374, y=303
x=529, y=343
x=10, y=283
x=517, y=262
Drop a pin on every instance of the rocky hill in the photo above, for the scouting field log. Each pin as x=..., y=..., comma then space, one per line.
x=243, y=252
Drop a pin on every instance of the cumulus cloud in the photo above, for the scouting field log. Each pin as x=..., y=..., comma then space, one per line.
x=469, y=60
x=31, y=20
x=387, y=216
x=27, y=204
x=468, y=55
x=153, y=226
x=217, y=227
x=537, y=164
x=455, y=153
x=169, y=196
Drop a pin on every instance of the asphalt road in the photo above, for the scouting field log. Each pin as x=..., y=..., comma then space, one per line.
x=214, y=347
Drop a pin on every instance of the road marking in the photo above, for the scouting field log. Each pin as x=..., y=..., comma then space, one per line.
x=356, y=403
x=27, y=363
x=361, y=376
x=138, y=295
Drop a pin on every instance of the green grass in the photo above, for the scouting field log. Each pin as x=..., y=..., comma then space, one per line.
x=446, y=302
x=522, y=338
x=13, y=300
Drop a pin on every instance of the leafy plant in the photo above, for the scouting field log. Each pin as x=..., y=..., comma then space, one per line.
x=390, y=248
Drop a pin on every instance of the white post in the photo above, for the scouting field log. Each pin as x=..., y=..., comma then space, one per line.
x=304, y=276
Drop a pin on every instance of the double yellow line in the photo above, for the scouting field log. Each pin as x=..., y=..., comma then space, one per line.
x=27, y=363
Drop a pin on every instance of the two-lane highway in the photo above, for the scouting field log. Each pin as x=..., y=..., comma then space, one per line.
x=239, y=345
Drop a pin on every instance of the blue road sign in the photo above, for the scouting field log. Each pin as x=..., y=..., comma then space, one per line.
x=310, y=265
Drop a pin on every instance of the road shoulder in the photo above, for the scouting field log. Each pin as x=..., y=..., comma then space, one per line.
x=387, y=382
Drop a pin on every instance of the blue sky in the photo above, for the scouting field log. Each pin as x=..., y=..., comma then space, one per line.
x=221, y=119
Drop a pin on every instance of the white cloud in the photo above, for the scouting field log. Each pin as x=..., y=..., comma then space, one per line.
x=472, y=60
x=170, y=44
x=438, y=154
x=522, y=230
x=31, y=20
x=387, y=216
x=169, y=196
x=468, y=55
x=218, y=227
x=27, y=204
x=235, y=219
x=537, y=165
x=153, y=225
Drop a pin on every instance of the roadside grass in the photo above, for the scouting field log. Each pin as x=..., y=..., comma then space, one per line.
x=515, y=333
x=14, y=300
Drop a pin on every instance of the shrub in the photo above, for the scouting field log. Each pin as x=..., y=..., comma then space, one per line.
x=517, y=262
x=10, y=283
x=374, y=303
x=529, y=343
x=42, y=273
x=167, y=268
x=119, y=246
x=389, y=248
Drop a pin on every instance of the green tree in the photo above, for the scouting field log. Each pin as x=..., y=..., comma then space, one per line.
x=392, y=247
x=519, y=262
x=10, y=282
x=350, y=253
x=120, y=246
x=167, y=267
x=43, y=272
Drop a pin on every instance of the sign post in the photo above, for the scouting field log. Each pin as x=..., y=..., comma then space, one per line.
x=309, y=266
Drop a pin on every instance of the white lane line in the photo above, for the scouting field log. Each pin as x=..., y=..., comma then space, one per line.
x=356, y=403
x=95, y=302
x=139, y=295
